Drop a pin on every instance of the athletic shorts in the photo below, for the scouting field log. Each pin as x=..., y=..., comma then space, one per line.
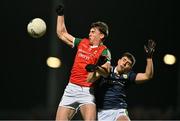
x=111, y=114
x=75, y=96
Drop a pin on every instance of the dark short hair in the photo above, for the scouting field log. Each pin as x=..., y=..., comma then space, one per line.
x=130, y=57
x=102, y=26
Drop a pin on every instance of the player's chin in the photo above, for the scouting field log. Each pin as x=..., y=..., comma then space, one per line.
x=90, y=42
x=122, y=68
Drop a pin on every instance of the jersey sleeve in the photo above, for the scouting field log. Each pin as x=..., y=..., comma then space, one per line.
x=107, y=54
x=76, y=42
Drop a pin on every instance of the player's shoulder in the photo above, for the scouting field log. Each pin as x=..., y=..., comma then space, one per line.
x=77, y=41
x=106, y=52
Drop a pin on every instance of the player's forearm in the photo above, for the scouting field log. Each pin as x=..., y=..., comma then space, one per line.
x=92, y=76
x=149, y=68
x=104, y=70
x=62, y=32
x=61, y=28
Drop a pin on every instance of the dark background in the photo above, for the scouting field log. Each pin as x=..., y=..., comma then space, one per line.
x=29, y=89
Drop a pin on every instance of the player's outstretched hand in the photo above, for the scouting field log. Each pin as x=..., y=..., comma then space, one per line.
x=150, y=48
x=60, y=10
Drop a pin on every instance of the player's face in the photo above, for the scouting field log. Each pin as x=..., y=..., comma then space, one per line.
x=95, y=36
x=124, y=64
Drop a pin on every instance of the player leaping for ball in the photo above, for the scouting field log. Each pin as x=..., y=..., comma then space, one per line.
x=78, y=93
x=111, y=99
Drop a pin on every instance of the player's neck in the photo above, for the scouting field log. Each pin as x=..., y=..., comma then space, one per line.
x=96, y=42
x=117, y=71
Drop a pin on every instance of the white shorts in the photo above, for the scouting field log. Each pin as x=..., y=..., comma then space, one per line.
x=111, y=114
x=75, y=96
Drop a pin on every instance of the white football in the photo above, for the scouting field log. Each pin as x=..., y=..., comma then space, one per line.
x=36, y=27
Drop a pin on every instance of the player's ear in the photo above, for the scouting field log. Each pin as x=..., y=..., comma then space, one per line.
x=102, y=36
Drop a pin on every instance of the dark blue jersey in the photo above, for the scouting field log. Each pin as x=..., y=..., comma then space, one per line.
x=110, y=92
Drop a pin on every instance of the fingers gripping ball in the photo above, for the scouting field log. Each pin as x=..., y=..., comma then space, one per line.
x=36, y=28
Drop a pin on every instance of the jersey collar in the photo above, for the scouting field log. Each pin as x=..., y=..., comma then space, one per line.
x=93, y=46
x=116, y=72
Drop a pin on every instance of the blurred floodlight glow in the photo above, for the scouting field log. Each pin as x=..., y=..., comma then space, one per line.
x=169, y=59
x=53, y=62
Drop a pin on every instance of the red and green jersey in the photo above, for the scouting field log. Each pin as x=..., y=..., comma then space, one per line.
x=86, y=54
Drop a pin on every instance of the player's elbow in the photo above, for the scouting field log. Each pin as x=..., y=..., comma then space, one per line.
x=149, y=76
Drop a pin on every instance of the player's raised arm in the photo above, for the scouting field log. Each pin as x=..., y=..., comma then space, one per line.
x=149, y=71
x=61, y=28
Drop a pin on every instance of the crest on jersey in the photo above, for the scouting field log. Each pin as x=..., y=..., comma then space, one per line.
x=125, y=76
